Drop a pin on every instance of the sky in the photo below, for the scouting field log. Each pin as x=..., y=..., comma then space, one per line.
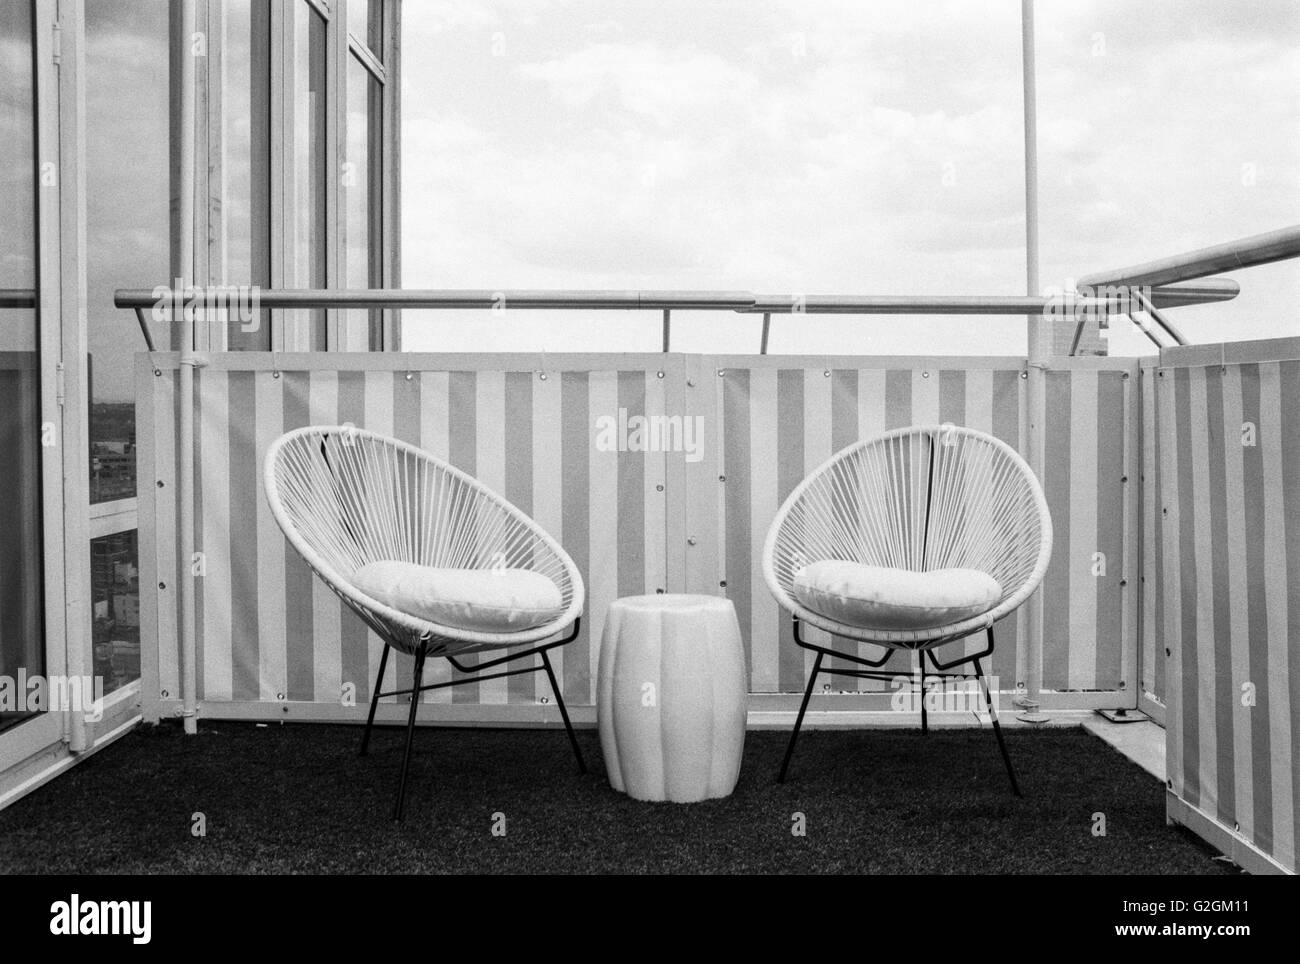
x=17, y=240
x=127, y=189
x=836, y=147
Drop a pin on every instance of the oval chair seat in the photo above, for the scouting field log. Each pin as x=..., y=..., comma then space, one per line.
x=348, y=499
x=493, y=600
x=894, y=600
x=922, y=500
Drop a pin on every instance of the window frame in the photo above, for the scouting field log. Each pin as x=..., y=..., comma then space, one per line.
x=385, y=325
x=109, y=518
x=276, y=159
x=121, y=515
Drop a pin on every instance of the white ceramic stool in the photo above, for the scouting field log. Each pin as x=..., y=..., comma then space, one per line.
x=672, y=697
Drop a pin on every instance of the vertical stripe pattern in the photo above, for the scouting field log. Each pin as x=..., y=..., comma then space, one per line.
x=1152, y=658
x=582, y=452
x=1226, y=612
x=568, y=447
x=778, y=424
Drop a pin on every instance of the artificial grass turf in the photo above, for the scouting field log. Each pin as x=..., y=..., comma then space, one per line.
x=296, y=798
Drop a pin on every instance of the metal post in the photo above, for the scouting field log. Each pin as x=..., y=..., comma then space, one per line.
x=1039, y=348
x=767, y=327
x=668, y=327
x=185, y=586
x=1145, y=303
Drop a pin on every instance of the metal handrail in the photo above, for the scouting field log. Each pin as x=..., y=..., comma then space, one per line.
x=1147, y=306
x=1207, y=291
x=1215, y=289
x=739, y=301
x=1243, y=253
x=442, y=298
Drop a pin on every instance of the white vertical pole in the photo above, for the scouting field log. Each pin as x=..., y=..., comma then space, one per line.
x=1038, y=345
x=70, y=110
x=185, y=587
x=1031, y=158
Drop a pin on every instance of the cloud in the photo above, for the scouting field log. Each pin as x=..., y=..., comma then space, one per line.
x=449, y=16
x=641, y=81
x=838, y=146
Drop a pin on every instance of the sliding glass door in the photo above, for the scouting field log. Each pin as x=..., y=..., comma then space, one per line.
x=28, y=410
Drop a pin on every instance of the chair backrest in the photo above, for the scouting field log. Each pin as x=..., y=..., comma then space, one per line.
x=920, y=498
x=345, y=497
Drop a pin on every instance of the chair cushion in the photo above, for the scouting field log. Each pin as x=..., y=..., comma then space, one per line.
x=479, y=600
x=897, y=600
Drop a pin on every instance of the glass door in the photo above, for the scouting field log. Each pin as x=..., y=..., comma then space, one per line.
x=29, y=419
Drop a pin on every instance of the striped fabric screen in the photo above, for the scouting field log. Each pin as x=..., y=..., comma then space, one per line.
x=1090, y=479
x=778, y=422
x=556, y=437
x=1229, y=615
x=269, y=631
x=1152, y=659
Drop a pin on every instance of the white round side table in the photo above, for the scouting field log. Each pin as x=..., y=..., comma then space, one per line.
x=672, y=697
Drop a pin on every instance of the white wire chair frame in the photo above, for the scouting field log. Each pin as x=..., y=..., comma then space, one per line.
x=922, y=498
x=345, y=496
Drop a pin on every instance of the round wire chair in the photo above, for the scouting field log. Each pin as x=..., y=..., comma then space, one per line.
x=345, y=497
x=922, y=499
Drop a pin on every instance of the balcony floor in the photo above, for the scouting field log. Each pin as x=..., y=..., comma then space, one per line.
x=297, y=798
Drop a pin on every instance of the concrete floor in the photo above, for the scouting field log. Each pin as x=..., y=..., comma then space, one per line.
x=1142, y=742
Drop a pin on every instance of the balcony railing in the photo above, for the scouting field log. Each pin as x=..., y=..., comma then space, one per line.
x=168, y=302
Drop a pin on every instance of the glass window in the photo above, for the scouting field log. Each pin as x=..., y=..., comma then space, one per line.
x=17, y=150
x=127, y=217
x=115, y=597
x=366, y=24
x=363, y=193
x=243, y=187
x=21, y=617
x=308, y=172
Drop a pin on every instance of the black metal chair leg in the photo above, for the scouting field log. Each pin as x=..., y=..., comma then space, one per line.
x=798, y=722
x=374, y=702
x=418, y=676
x=997, y=730
x=564, y=712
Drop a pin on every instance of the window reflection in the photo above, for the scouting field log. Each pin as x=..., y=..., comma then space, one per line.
x=127, y=216
x=365, y=23
x=363, y=199
x=308, y=172
x=242, y=191
x=115, y=596
x=17, y=160
x=21, y=559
